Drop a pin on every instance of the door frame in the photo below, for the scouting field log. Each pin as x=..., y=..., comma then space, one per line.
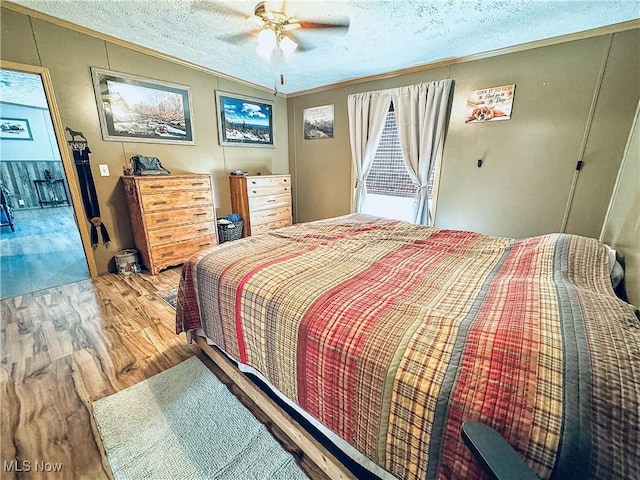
x=67, y=162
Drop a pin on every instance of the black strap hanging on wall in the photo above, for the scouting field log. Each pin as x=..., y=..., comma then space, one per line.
x=88, y=190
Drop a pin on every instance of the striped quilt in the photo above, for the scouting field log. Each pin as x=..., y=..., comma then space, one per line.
x=393, y=334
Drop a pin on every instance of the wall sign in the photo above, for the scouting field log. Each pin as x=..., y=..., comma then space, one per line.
x=490, y=104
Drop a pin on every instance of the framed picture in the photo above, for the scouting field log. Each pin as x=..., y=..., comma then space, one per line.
x=139, y=109
x=15, y=129
x=318, y=122
x=244, y=121
x=490, y=104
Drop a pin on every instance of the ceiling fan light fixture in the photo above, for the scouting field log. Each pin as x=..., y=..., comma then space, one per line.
x=288, y=46
x=267, y=42
x=267, y=38
x=264, y=52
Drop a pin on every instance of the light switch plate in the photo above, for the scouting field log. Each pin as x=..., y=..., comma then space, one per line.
x=104, y=170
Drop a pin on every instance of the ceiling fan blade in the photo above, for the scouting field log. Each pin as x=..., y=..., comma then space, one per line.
x=238, y=38
x=303, y=45
x=219, y=8
x=337, y=25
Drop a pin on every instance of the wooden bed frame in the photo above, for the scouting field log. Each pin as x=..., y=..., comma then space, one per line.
x=496, y=456
x=316, y=452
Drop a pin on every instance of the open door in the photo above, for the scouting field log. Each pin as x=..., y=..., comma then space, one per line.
x=67, y=162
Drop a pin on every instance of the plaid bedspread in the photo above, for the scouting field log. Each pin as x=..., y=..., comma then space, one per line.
x=393, y=334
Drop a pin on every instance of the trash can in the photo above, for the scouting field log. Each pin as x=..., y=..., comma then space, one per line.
x=127, y=262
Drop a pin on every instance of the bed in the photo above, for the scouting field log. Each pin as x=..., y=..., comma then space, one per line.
x=390, y=335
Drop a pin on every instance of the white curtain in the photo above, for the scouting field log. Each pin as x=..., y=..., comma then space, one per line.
x=367, y=114
x=421, y=113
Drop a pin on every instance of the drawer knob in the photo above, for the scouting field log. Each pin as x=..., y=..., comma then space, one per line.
x=200, y=214
x=167, y=254
x=200, y=198
x=162, y=220
x=156, y=186
x=271, y=201
x=164, y=237
x=196, y=184
x=160, y=203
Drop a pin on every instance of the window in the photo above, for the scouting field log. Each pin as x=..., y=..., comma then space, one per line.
x=390, y=191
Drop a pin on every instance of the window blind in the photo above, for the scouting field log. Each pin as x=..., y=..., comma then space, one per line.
x=388, y=174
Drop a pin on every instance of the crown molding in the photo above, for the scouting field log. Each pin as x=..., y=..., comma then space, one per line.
x=595, y=32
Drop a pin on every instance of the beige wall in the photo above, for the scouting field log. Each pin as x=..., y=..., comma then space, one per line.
x=560, y=109
x=622, y=226
x=69, y=55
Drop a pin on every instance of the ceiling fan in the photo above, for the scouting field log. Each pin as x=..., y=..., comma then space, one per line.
x=273, y=28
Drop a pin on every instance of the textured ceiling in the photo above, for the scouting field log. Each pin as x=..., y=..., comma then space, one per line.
x=383, y=36
x=22, y=89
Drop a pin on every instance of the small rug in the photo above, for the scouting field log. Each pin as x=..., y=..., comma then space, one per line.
x=184, y=423
x=170, y=296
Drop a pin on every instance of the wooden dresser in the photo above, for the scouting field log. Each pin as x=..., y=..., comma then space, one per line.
x=172, y=217
x=263, y=201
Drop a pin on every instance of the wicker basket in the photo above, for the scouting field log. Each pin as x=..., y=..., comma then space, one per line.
x=230, y=231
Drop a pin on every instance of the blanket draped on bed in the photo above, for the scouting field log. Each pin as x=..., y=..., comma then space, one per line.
x=393, y=334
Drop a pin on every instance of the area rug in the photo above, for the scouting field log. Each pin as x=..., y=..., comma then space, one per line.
x=170, y=296
x=184, y=423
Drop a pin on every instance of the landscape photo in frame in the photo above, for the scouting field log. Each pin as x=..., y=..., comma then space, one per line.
x=244, y=121
x=318, y=122
x=139, y=109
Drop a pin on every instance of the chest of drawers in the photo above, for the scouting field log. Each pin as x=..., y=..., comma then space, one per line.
x=263, y=201
x=172, y=217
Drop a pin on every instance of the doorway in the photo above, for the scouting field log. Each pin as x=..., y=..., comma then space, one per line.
x=44, y=245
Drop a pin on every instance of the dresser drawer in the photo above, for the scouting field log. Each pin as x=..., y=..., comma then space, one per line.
x=158, y=185
x=269, y=181
x=266, y=227
x=179, y=217
x=181, y=233
x=173, y=200
x=269, y=201
x=270, y=190
x=270, y=215
x=178, y=252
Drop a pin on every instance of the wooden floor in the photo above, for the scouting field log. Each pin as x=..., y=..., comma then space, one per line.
x=45, y=250
x=65, y=347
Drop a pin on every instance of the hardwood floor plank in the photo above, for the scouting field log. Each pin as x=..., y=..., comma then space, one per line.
x=9, y=412
x=88, y=377
x=68, y=346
